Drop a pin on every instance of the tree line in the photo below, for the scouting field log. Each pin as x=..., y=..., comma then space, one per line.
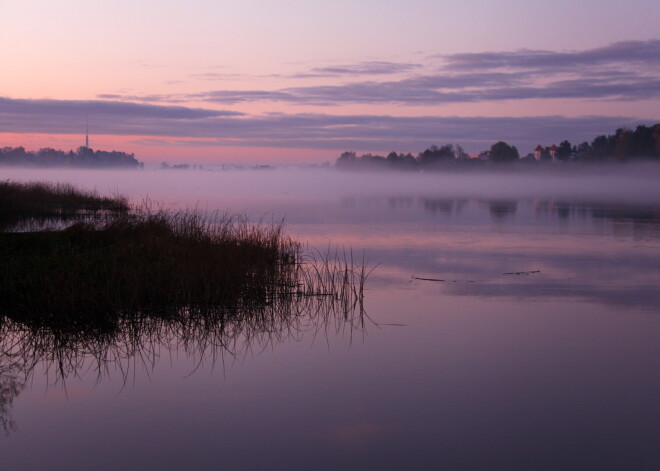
x=82, y=157
x=624, y=145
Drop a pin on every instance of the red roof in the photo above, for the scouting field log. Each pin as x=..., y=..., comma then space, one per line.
x=553, y=148
x=538, y=148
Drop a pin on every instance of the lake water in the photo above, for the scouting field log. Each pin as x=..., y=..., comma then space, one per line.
x=539, y=349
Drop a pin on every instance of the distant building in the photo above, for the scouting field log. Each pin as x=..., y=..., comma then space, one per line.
x=537, y=152
x=540, y=152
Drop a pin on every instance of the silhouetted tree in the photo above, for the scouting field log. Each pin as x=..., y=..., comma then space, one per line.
x=564, y=151
x=346, y=159
x=461, y=154
x=83, y=157
x=435, y=155
x=642, y=142
x=602, y=147
x=583, y=151
x=503, y=152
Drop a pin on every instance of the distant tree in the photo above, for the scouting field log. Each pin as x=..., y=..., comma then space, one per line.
x=583, y=151
x=602, y=147
x=400, y=161
x=642, y=144
x=373, y=160
x=621, y=144
x=392, y=158
x=346, y=160
x=83, y=157
x=564, y=151
x=502, y=152
x=461, y=154
x=408, y=162
x=656, y=139
x=435, y=155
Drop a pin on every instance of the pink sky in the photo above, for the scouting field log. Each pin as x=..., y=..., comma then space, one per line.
x=302, y=81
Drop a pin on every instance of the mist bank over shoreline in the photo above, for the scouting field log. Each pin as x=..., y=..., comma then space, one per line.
x=625, y=145
x=267, y=192
x=83, y=157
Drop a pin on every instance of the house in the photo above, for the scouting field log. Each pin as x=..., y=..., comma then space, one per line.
x=540, y=152
x=537, y=152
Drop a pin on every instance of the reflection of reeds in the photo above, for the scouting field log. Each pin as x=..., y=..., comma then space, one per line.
x=158, y=261
x=317, y=296
x=115, y=289
x=10, y=387
x=118, y=288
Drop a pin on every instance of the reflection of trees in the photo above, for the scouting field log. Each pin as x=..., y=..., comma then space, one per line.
x=320, y=297
x=503, y=208
x=621, y=212
x=641, y=216
x=438, y=205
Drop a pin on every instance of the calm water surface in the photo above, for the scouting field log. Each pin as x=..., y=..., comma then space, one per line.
x=540, y=349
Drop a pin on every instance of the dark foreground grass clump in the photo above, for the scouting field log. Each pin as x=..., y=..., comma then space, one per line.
x=118, y=286
x=118, y=266
x=141, y=262
x=39, y=197
x=40, y=200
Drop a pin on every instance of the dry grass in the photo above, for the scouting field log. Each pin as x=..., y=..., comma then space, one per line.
x=40, y=200
x=122, y=277
x=115, y=288
x=154, y=261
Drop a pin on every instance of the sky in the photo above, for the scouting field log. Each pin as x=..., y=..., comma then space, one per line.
x=299, y=81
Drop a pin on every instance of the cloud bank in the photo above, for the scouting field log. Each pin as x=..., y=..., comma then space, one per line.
x=178, y=125
x=626, y=53
x=621, y=71
x=627, y=70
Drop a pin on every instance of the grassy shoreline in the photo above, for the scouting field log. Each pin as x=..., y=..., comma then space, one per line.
x=42, y=197
x=40, y=201
x=117, y=262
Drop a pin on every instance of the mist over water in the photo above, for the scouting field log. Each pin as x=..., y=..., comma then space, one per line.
x=628, y=182
x=513, y=323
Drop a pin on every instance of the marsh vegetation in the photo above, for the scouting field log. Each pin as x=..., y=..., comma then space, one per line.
x=40, y=202
x=115, y=284
x=116, y=261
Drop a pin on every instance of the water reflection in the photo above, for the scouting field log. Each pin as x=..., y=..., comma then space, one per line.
x=502, y=371
x=10, y=387
x=134, y=341
x=593, y=251
x=617, y=212
x=502, y=208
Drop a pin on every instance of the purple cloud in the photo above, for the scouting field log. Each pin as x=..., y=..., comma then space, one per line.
x=443, y=89
x=621, y=71
x=645, y=53
x=77, y=109
x=366, y=68
x=317, y=131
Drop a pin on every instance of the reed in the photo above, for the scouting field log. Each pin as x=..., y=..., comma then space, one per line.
x=18, y=197
x=113, y=288
x=41, y=201
x=156, y=261
x=121, y=266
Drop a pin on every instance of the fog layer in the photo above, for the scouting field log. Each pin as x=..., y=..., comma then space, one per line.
x=217, y=189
